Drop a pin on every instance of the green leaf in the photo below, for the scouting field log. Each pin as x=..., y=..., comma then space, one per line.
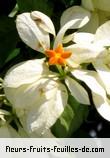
x=44, y=6
x=13, y=54
x=62, y=126
x=71, y=119
x=8, y=38
x=81, y=113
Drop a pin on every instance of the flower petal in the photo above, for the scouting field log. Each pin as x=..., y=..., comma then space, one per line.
x=104, y=16
x=92, y=25
x=75, y=12
x=7, y=131
x=25, y=73
x=77, y=91
x=81, y=54
x=91, y=79
x=43, y=21
x=83, y=38
x=102, y=4
x=74, y=23
x=46, y=134
x=28, y=95
x=103, y=34
x=31, y=33
x=102, y=106
x=39, y=119
x=104, y=73
x=88, y=4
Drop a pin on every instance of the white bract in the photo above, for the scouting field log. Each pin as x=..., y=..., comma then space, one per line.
x=34, y=29
x=100, y=84
x=98, y=9
x=35, y=94
x=6, y=131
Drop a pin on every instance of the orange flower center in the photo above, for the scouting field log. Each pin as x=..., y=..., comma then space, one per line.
x=58, y=55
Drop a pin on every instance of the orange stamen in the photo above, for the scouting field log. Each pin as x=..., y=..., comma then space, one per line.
x=58, y=56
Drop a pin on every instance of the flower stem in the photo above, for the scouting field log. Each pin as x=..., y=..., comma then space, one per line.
x=60, y=70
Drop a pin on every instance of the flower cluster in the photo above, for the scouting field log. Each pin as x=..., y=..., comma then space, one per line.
x=38, y=89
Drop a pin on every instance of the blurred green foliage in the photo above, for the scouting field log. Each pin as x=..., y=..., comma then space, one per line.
x=45, y=6
x=8, y=38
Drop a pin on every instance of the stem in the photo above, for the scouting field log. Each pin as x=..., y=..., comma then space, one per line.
x=60, y=70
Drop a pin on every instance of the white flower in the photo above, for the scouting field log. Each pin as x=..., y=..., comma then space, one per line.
x=98, y=82
x=98, y=9
x=36, y=95
x=58, y=55
x=35, y=92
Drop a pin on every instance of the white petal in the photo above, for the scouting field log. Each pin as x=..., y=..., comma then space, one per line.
x=75, y=12
x=102, y=4
x=7, y=131
x=83, y=38
x=104, y=73
x=92, y=25
x=29, y=95
x=68, y=38
x=88, y=4
x=25, y=73
x=103, y=34
x=81, y=54
x=77, y=91
x=104, y=111
x=102, y=106
x=43, y=21
x=75, y=23
x=4, y=112
x=99, y=95
x=46, y=134
x=104, y=16
x=31, y=34
x=22, y=132
x=40, y=119
x=91, y=79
